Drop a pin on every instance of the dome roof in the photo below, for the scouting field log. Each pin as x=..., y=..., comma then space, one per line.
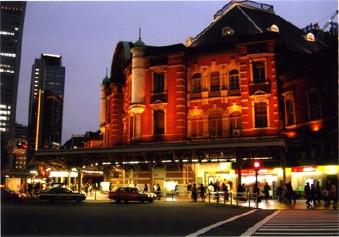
x=139, y=43
x=106, y=81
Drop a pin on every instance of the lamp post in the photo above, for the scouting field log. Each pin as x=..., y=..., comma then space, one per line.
x=256, y=168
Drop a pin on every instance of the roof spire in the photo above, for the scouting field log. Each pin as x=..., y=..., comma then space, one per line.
x=106, y=71
x=139, y=33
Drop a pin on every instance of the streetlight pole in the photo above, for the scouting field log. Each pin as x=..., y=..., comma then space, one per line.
x=256, y=168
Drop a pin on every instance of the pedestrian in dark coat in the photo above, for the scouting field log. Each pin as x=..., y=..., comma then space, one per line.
x=307, y=193
x=194, y=193
x=202, y=192
x=266, y=190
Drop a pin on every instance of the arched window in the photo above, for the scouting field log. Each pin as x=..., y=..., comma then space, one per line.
x=215, y=81
x=159, y=122
x=310, y=37
x=274, y=28
x=215, y=124
x=196, y=83
x=234, y=80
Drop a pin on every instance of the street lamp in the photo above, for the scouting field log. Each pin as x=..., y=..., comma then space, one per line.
x=256, y=168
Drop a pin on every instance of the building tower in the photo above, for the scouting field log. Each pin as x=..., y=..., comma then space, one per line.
x=11, y=28
x=46, y=102
x=138, y=86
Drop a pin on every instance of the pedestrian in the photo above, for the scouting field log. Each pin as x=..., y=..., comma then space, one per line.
x=86, y=188
x=90, y=188
x=334, y=194
x=290, y=193
x=224, y=189
x=194, y=193
x=326, y=194
x=176, y=190
x=202, y=192
x=266, y=190
x=313, y=195
x=318, y=192
x=158, y=191
x=307, y=194
x=145, y=188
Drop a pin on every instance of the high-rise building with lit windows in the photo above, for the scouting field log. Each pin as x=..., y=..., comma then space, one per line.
x=46, y=102
x=11, y=29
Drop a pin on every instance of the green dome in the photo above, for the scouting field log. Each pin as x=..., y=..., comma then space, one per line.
x=139, y=44
x=106, y=81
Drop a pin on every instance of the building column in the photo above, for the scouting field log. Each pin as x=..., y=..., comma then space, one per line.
x=283, y=163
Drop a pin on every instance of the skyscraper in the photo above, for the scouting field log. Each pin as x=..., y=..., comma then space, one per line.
x=46, y=102
x=11, y=29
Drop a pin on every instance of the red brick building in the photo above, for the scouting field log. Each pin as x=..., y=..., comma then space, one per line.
x=250, y=82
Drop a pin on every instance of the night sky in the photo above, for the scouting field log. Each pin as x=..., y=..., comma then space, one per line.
x=86, y=33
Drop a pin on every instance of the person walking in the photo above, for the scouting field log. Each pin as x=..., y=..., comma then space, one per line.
x=318, y=192
x=145, y=188
x=266, y=190
x=158, y=191
x=194, y=193
x=334, y=194
x=290, y=193
x=313, y=195
x=307, y=194
x=224, y=189
x=202, y=192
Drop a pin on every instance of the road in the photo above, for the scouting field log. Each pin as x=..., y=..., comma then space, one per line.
x=128, y=219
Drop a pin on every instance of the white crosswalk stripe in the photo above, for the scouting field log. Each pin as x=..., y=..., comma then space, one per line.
x=301, y=223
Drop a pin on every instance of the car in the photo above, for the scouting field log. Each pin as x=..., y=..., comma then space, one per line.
x=131, y=194
x=61, y=194
x=8, y=195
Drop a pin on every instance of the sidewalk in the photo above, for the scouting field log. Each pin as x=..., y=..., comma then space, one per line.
x=270, y=204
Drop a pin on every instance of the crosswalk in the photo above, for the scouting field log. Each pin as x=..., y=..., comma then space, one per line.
x=301, y=223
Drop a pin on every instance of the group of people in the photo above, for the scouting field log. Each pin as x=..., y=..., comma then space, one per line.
x=314, y=194
x=215, y=188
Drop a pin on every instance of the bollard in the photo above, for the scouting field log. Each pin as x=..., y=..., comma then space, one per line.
x=209, y=197
x=95, y=194
x=256, y=199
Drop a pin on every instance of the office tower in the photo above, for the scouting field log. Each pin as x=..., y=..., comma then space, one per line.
x=46, y=102
x=11, y=28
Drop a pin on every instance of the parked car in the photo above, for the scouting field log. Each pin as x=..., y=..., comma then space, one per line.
x=8, y=195
x=131, y=194
x=61, y=194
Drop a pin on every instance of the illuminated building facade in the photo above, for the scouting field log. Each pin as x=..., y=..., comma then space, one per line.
x=11, y=29
x=46, y=102
x=257, y=78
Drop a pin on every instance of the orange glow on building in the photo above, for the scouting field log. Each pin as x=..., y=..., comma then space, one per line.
x=316, y=125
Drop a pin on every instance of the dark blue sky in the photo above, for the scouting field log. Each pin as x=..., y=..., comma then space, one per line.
x=86, y=33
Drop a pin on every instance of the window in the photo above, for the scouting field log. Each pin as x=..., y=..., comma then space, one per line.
x=227, y=31
x=158, y=82
x=259, y=72
x=158, y=122
x=214, y=82
x=196, y=83
x=274, y=28
x=235, y=121
x=197, y=127
x=215, y=125
x=314, y=105
x=310, y=37
x=289, y=112
x=234, y=80
x=260, y=111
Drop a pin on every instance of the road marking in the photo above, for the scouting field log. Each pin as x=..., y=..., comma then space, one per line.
x=250, y=231
x=208, y=228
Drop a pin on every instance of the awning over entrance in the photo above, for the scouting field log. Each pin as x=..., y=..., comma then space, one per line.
x=203, y=151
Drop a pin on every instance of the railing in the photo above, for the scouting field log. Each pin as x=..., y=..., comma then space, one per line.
x=234, y=197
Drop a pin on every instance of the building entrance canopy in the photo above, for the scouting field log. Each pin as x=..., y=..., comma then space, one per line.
x=235, y=150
